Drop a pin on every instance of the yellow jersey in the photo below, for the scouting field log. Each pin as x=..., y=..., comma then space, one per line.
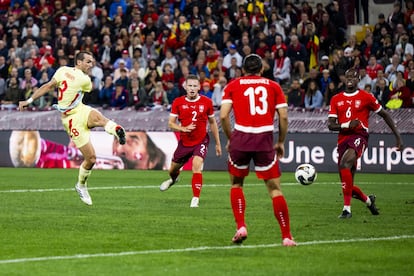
x=71, y=83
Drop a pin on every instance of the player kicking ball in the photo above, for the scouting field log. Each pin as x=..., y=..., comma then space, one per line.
x=349, y=114
x=78, y=119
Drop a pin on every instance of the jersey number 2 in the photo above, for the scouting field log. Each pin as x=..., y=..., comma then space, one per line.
x=258, y=106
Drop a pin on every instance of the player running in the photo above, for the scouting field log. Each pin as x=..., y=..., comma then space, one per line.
x=77, y=118
x=192, y=111
x=349, y=114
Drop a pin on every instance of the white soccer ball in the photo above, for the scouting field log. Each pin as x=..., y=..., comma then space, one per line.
x=305, y=174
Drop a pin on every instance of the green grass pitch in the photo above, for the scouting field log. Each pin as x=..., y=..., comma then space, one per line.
x=134, y=229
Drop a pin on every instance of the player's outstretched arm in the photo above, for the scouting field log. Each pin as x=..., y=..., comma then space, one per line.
x=45, y=88
x=390, y=122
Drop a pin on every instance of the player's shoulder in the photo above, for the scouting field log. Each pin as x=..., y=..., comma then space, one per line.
x=64, y=69
x=204, y=98
x=179, y=99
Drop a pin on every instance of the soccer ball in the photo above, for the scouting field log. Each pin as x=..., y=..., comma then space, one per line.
x=305, y=174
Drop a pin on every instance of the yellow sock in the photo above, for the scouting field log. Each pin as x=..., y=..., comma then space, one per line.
x=83, y=175
x=110, y=127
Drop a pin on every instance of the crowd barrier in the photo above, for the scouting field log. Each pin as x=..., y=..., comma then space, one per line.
x=41, y=134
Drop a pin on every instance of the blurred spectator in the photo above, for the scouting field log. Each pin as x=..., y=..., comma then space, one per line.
x=402, y=92
x=45, y=68
x=298, y=56
x=396, y=16
x=97, y=76
x=105, y=94
x=47, y=56
x=290, y=17
x=313, y=96
x=148, y=49
x=126, y=60
x=12, y=95
x=119, y=97
x=311, y=42
x=324, y=63
x=326, y=31
x=233, y=53
x=151, y=79
x=123, y=78
x=325, y=80
x=380, y=76
x=170, y=59
x=313, y=76
x=392, y=69
x=30, y=28
x=137, y=96
x=281, y=69
x=200, y=67
x=28, y=79
x=158, y=95
x=278, y=44
x=382, y=27
x=373, y=67
x=404, y=46
x=399, y=75
x=338, y=19
x=295, y=95
x=117, y=73
x=364, y=79
x=218, y=92
x=331, y=91
x=172, y=91
x=206, y=90
x=382, y=92
x=4, y=70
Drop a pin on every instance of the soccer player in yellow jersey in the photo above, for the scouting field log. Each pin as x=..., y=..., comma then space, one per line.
x=77, y=118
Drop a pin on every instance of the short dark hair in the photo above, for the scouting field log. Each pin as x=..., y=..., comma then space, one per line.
x=81, y=55
x=252, y=64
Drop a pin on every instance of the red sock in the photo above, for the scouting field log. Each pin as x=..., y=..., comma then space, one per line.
x=238, y=204
x=280, y=209
x=196, y=183
x=347, y=183
x=359, y=194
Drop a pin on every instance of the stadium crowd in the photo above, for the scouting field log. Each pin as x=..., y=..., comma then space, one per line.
x=144, y=49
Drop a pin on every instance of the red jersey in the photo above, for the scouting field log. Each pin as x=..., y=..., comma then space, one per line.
x=373, y=70
x=356, y=106
x=193, y=111
x=255, y=100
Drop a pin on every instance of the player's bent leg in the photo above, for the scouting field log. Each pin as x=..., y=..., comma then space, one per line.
x=174, y=173
x=97, y=119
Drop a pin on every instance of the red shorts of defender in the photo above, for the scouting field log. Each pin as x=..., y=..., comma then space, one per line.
x=355, y=142
x=265, y=163
x=182, y=153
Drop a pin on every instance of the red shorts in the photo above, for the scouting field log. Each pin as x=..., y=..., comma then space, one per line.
x=355, y=142
x=266, y=164
x=182, y=153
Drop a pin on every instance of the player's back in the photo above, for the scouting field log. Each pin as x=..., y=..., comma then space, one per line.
x=254, y=101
